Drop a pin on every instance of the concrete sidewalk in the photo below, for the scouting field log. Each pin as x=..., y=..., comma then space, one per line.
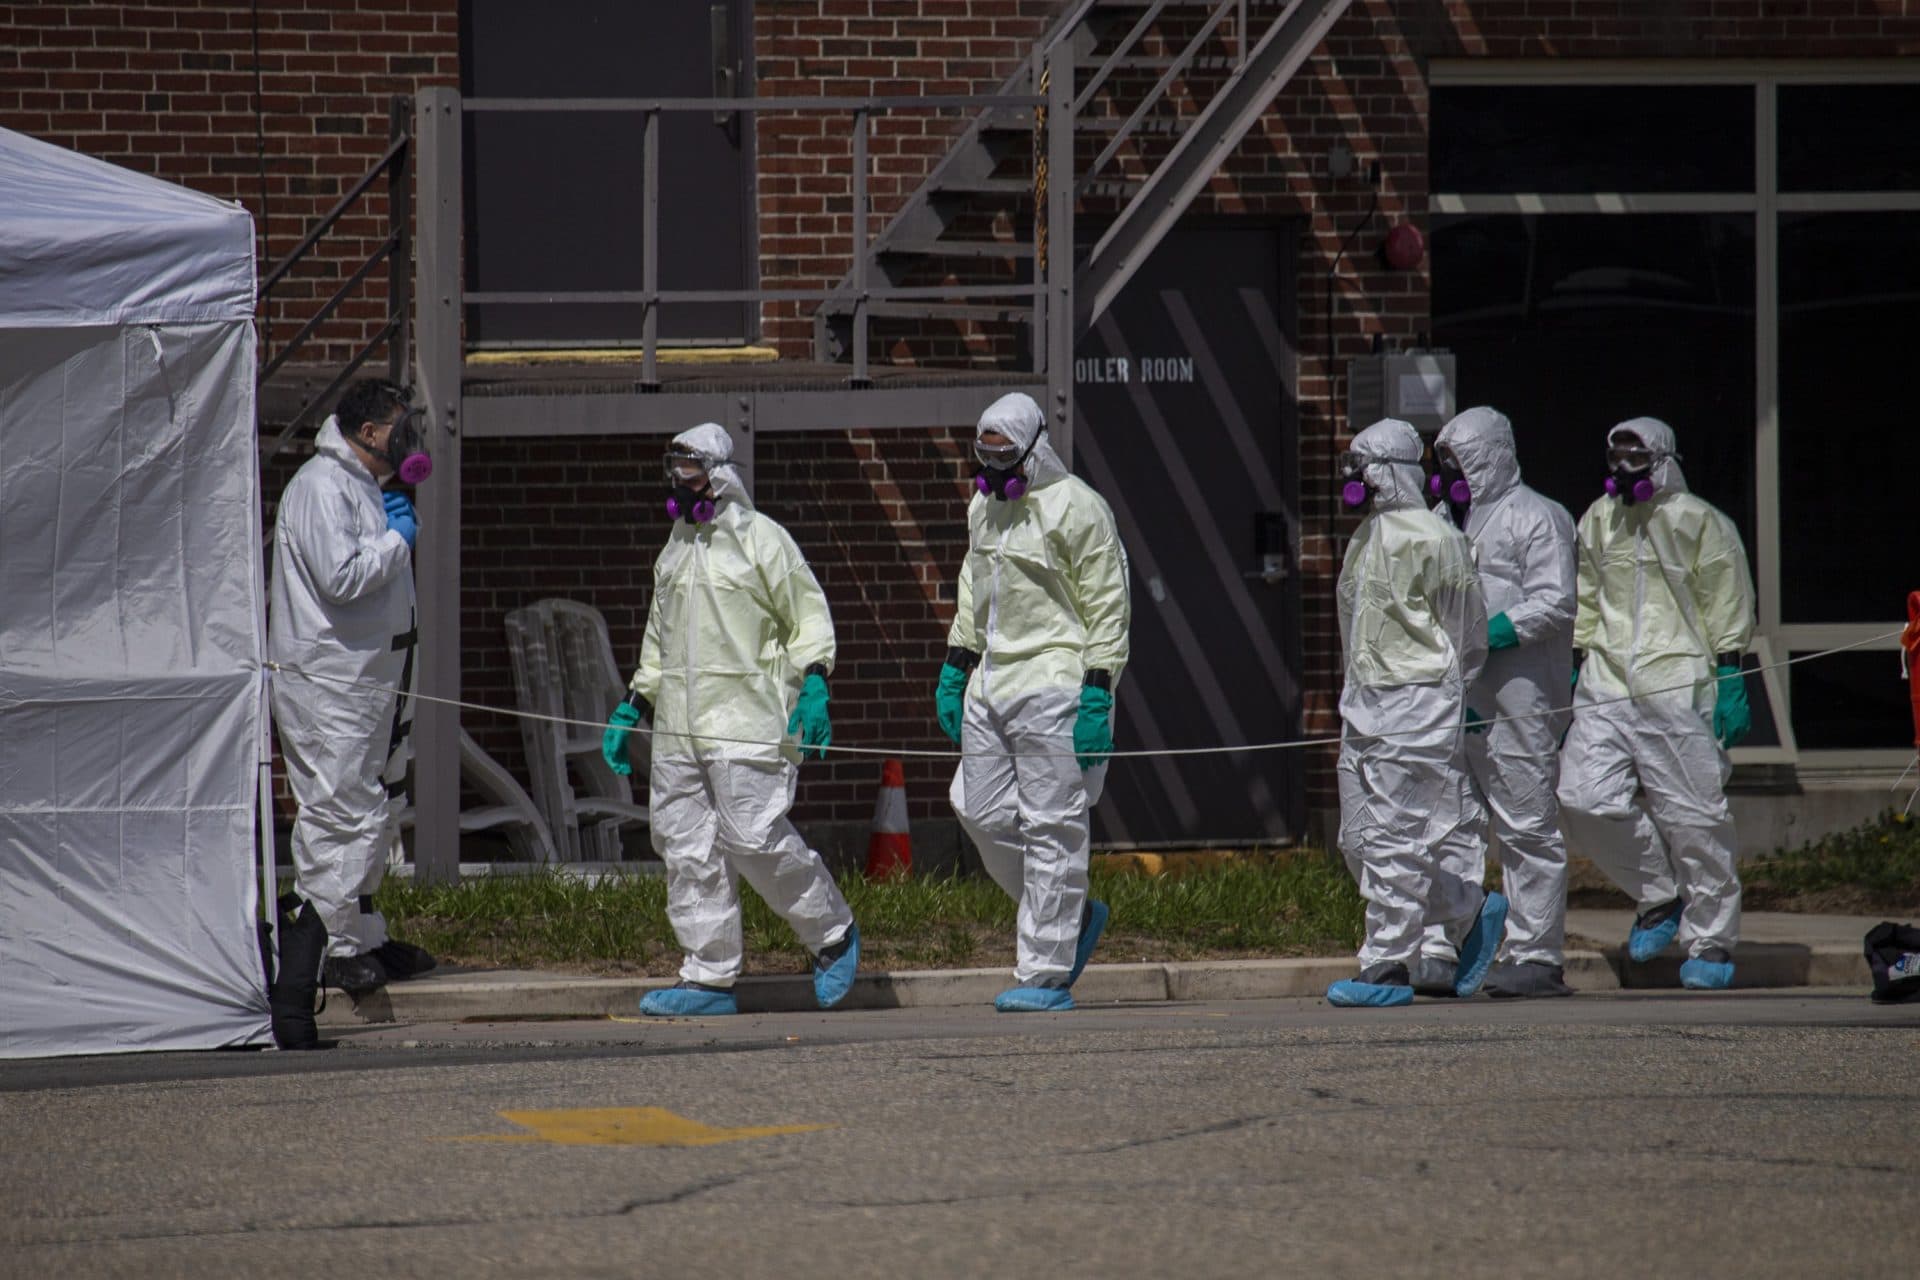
x=1776, y=950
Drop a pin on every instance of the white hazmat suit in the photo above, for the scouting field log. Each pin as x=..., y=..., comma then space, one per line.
x=342, y=610
x=1664, y=588
x=1043, y=600
x=1523, y=550
x=735, y=621
x=1414, y=632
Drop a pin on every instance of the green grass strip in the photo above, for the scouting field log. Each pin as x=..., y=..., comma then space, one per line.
x=1305, y=904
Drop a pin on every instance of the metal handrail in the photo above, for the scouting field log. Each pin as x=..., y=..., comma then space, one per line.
x=394, y=250
x=382, y=254
x=333, y=215
x=652, y=297
x=1174, y=72
x=822, y=104
x=1148, y=17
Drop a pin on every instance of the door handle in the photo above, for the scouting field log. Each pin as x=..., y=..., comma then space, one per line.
x=725, y=79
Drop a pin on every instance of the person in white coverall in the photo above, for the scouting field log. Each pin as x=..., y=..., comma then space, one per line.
x=341, y=620
x=1516, y=710
x=1665, y=613
x=1414, y=632
x=738, y=646
x=1038, y=642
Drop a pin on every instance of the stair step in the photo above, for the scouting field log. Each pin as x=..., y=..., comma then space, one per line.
x=1215, y=62
x=960, y=248
x=1158, y=126
x=932, y=310
x=985, y=186
x=1008, y=120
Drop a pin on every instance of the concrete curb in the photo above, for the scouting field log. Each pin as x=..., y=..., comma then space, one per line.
x=507, y=997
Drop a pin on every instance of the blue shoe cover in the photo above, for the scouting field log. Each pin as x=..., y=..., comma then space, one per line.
x=1096, y=924
x=687, y=1002
x=1481, y=943
x=1034, y=1000
x=1706, y=975
x=832, y=981
x=1644, y=944
x=1351, y=993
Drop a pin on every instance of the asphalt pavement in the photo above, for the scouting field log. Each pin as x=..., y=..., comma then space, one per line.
x=1745, y=1133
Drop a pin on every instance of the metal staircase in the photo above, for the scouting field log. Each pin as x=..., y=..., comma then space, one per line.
x=1155, y=93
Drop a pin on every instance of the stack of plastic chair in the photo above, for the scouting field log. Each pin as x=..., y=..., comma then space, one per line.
x=513, y=812
x=563, y=669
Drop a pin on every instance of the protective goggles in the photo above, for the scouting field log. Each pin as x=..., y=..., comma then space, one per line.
x=1444, y=458
x=1629, y=457
x=1001, y=457
x=686, y=467
x=1352, y=462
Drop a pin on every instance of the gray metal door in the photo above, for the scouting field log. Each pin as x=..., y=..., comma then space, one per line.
x=1184, y=405
x=554, y=200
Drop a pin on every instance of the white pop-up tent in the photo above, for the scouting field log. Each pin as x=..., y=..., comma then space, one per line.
x=132, y=718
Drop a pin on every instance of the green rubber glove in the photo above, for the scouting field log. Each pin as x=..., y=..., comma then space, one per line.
x=1732, y=717
x=950, y=699
x=1476, y=723
x=809, y=718
x=1500, y=632
x=1093, y=728
x=613, y=743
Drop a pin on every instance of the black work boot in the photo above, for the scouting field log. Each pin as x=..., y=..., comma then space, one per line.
x=355, y=975
x=403, y=960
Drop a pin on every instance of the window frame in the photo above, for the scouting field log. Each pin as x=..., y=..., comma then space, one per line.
x=1766, y=202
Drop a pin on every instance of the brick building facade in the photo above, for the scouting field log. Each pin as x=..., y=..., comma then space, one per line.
x=281, y=105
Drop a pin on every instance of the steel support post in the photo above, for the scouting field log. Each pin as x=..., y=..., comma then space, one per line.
x=1060, y=254
x=437, y=359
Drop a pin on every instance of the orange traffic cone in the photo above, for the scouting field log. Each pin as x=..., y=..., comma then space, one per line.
x=890, y=847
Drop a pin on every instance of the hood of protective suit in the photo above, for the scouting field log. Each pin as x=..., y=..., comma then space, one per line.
x=332, y=441
x=711, y=441
x=1393, y=470
x=1657, y=436
x=1482, y=442
x=1020, y=420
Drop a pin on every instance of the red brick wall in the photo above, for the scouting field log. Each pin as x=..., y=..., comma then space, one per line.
x=170, y=89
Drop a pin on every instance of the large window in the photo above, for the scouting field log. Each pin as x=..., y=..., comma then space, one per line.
x=1733, y=256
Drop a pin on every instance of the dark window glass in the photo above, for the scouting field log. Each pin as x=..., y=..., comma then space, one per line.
x=1571, y=324
x=556, y=200
x=1849, y=137
x=1851, y=701
x=1579, y=138
x=1849, y=290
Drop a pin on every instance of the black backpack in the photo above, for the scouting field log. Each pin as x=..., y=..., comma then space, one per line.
x=1893, y=953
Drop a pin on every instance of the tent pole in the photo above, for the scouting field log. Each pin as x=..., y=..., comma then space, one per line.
x=437, y=359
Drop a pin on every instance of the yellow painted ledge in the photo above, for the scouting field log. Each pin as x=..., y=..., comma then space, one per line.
x=625, y=355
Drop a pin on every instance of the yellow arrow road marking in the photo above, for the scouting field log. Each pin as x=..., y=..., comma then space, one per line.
x=625, y=1127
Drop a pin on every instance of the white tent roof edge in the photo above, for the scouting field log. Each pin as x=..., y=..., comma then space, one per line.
x=85, y=242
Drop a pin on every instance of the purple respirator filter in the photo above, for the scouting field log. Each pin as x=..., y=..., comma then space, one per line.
x=702, y=510
x=1642, y=488
x=1014, y=489
x=1354, y=493
x=414, y=469
x=1457, y=493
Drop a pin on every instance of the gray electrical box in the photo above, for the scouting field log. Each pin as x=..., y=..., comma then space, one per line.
x=1414, y=386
